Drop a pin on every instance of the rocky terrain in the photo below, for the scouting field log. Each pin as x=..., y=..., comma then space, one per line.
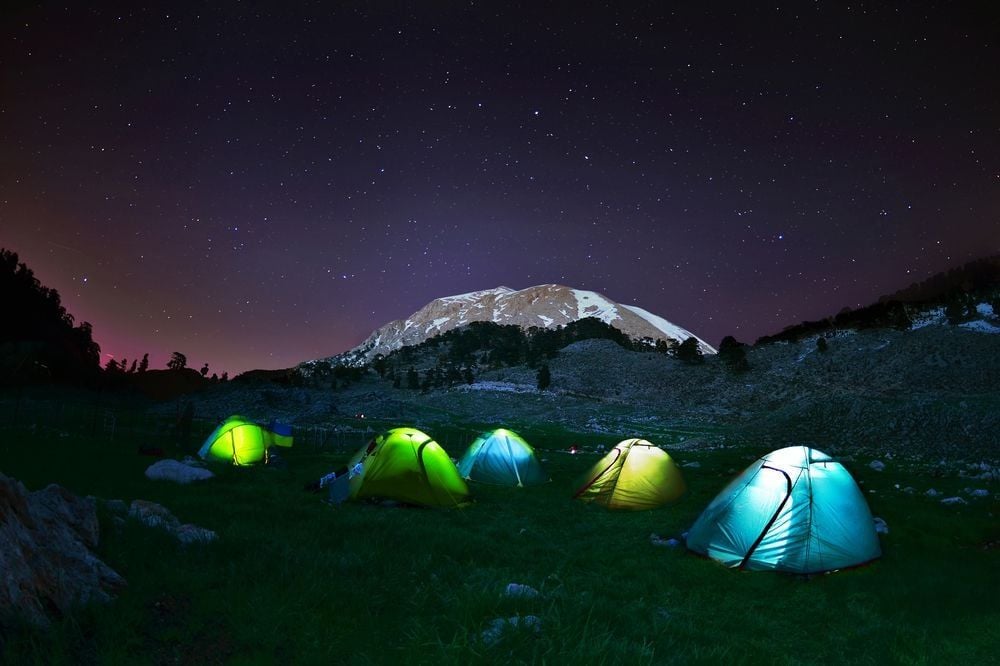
x=932, y=390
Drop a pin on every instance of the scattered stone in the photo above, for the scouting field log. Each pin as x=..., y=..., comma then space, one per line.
x=977, y=492
x=521, y=591
x=116, y=506
x=152, y=514
x=909, y=490
x=501, y=625
x=188, y=533
x=880, y=526
x=932, y=493
x=176, y=471
x=47, y=539
x=953, y=500
x=657, y=540
x=877, y=465
x=693, y=463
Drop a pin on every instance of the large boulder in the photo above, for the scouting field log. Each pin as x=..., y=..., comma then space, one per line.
x=47, y=539
x=174, y=470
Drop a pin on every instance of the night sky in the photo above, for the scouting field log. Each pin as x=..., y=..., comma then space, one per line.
x=256, y=184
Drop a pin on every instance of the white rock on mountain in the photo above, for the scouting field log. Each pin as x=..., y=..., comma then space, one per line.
x=544, y=306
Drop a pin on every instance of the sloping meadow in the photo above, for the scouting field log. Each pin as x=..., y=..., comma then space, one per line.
x=293, y=579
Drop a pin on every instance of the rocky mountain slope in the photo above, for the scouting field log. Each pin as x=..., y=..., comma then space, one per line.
x=932, y=392
x=544, y=306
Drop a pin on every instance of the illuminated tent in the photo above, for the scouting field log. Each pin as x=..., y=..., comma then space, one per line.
x=243, y=442
x=634, y=475
x=406, y=465
x=502, y=457
x=794, y=510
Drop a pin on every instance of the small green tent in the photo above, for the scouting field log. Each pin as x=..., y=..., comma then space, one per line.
x=242, y=442
x=406, y=465
x=634, y=475
x=502, y=457
x=795, y=510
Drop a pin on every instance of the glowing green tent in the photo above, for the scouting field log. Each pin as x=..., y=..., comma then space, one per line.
x=405, y=465
x=502, y=457
x=634, y=475
x=243, y=442
x=796, y=510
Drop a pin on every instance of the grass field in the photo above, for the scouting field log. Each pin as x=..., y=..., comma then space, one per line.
x=295, y=580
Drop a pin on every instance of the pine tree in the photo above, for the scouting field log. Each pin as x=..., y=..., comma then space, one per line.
x=144, y=363
x=689, y=352
x=412, y=379
x=544, y=377
x=733, y=354
x=178, y=361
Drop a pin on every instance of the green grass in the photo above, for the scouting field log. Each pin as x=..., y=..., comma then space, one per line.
x=295, y=580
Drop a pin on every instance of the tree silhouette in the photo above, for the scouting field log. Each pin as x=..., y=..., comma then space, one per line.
x=204, y=370
x=178, y=361
x=38, y=332
x=733, y=353
x=689, y=352
x=144, y=363
x=544, y=377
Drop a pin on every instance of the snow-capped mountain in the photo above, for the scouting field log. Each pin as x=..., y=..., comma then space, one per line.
x=544, y=306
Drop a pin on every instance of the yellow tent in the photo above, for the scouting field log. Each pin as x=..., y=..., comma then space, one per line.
x=634, y=475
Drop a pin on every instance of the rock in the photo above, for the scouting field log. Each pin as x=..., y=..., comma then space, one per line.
x=932, y=493
x=519, y=590
x=47, y=539
x=657, y=540
x=953, y=500
x=880, y=526
x=693, y=463
x=877, y=465
x=152, y=514
x=501, y=625
x=116, y=506
x=188, y=533
x=176, y=471
x=977, y=492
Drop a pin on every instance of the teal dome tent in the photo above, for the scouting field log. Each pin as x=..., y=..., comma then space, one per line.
x=502, y=457
x=795, y=510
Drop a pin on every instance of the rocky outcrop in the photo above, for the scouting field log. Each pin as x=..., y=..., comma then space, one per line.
x=152, y=514
x=47, y=542
x=177, y=471
x=544, y=306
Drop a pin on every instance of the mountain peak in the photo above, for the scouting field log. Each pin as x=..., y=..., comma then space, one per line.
x=542, y=306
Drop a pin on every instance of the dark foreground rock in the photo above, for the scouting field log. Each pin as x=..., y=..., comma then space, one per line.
x=47, y=560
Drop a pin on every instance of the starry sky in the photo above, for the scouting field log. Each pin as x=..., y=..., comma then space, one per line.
x=256, y=184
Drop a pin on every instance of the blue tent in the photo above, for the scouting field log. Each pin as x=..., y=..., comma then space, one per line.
x=795, y=510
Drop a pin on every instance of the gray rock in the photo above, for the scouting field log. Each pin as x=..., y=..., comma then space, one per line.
x=47, y=540
x=977, y=492
x=502, y=625
x=519, y=590
x=877, y=465
x=152, y=514
x=953, y=500
x=116, y=506
x=880, y=526
x=176, y=471
x=657, y=540
x=932, y=493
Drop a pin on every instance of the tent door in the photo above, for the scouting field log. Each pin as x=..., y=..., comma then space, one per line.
x=776, y=500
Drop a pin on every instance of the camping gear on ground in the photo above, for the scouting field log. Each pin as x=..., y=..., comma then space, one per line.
x=502, y=457
x=406, y=465
x=634, y=475
x=242, y=442
x=795, y=510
